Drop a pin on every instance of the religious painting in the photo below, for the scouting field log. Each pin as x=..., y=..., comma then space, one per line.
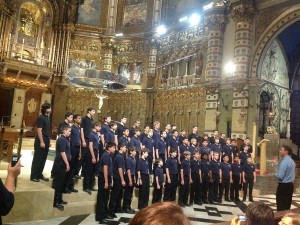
x=132, y=72
x=135, y=13
x=89, y=12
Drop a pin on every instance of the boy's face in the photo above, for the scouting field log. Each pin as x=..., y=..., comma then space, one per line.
x=67, y=132
x=194, y=142
x=216, y=156
x=236, y=159
x=70, y=119
x=226, y=159
x=228, y=142
x=223, y=135
x=205, y=137
x=92, y=112
x=205, y=157
x=145, y=154
x=160, y=163
x=175, y=134
x=123, y=149
x=98, y=128
x=138, y=133
x=78, y=120
x=197, y=155
x=249, y=160
x=112, y=149
x=246, y=148
x=126, y=133
x=150, y=133
x=108, y=119
x=133, y=153
x=168, y=127
x=114, y=127
x=164, y=134
x=204, y=143
x=188, y=157
x=185, y=141
x=157, y=126
x=217, y=140
x=233, y=143
x=173, y=154
x=146, y=130
x=216, y=133
x=183, y=133
x=247, y=141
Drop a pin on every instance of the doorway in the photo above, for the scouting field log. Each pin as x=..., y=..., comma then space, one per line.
x=6, y=101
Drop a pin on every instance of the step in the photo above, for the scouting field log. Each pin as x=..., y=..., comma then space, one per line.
x=73, y=208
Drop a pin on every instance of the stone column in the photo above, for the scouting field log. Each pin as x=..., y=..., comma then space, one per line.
x=108, y=52
x=215, y=21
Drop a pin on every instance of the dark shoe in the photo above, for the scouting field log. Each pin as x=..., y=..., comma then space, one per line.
x=251, y=200
x=227, y=200
x=63, y=202
x=111, y=216
x=94, y=189
x=219, y=201
x=35, y=180
x=237, y=200
x=129, y=211
x=44, y=178
x=205, y=201
x=244, y=199
x=190, y=204
x=74, y=190
x=88, y=191
x=59, y=206
x=67, y=191
x=198, y=203
x=103, y=221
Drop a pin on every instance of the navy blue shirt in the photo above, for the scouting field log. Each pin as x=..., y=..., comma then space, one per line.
x=249, y=169
x=123, y=140
x=62, y=145
x=135, y=142
x=149, y=143
x=244, y=156
x=216, y=148
x=172, y=165
x=43, y=122
x=186, y=167
x=173, y=143
x=93, y=137
x=156, y=135
x=161, y=145
x=235, y=151
x=75, y=139
x=110, y=136
x=227, y=150
x=205, y=167
x=226, y=168
x=142, y=137
x=159, y=172
x=249, y=148
x=143, y=166
x=182, y=149
x=86, y=125
x=236, y=169
x=192, y=149
x=119, y=162
x=105, y=160
x=104, y=130
x=131, y=165
x=205, y=150
x=195, y=166
x=215, y=166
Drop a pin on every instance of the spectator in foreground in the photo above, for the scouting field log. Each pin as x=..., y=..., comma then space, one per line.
x=162, y=213
x=7, y=189
x=290, y=219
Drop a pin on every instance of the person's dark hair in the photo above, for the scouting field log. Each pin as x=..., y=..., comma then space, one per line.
x=126, y=129
x=109, y=145
x=288, y=149
x=95, y=124
x=144, y=150
x=136, y=130
x=172, y=150
x=157, y=161
x=123, y=144
x=64, y=127
x=90, y=109
x=258, y=213
x=105, y=117
x=131, y=149
x=173, y=131
x=203, y=154
x=111, y=124
x=162, y=213
x=146, y=126
x=196, y=151
x=67, y=114
x=75, y=116
x=44, y=107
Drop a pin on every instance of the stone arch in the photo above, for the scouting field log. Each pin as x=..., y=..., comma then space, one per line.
x=289, y=17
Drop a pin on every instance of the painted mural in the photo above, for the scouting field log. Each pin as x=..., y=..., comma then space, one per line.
x=132, y=72
x=89, y=12
x=135, y=13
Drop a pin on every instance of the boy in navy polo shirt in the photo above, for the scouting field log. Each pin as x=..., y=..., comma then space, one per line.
x=118, y=180
x=158, y=181
x=161, y=147
x=171, y=176
x=148, y=143
x=92, y=157
x=173, y=142
x=143, y=179
x=193, y=145
x=205, y=149
x=205, y=177
x=135, y=142
x=226, y=172
x=215, y=178
x=105, y=129
x=216, y=146
x=244, y=155
x=124, y=138
x=130, y=180
x=249, y=178
x=61, y=166
x=227, y=150
x=236, y=180
x=196, y=178
x=182, y=148
x=185, y=175
x=104, y=182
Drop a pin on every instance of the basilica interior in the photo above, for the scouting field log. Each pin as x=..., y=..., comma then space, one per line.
x=226, y=65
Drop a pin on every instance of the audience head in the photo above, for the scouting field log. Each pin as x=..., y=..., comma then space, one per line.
x=162, y=213
x=290, y=219
x=258, y=213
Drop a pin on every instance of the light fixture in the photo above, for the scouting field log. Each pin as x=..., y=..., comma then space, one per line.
x=230, y=68
x=161, y=30
x=183, y=19
x=194, y=19
x=208, y=6
x=119, y=34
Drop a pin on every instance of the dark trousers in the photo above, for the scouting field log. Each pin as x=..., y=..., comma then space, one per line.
x=184, y=191
x=39, y=158
x=128, y=191
x=115, y=195
x=73, y=167
x=157, y=193
x=284, y=195
x=170, y=190
x=90, y=171
x=163, y=157
x=249, y=182
x=150, y=162
x=144, y=192
x=59, y=176
x=234, y=188
x=81, y=162
x=195, y=189
x=225, y=186
x=102, y=198
x=205, y=186
x=214, y=186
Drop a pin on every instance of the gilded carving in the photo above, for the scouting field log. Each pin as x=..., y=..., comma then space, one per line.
x=244, y=11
